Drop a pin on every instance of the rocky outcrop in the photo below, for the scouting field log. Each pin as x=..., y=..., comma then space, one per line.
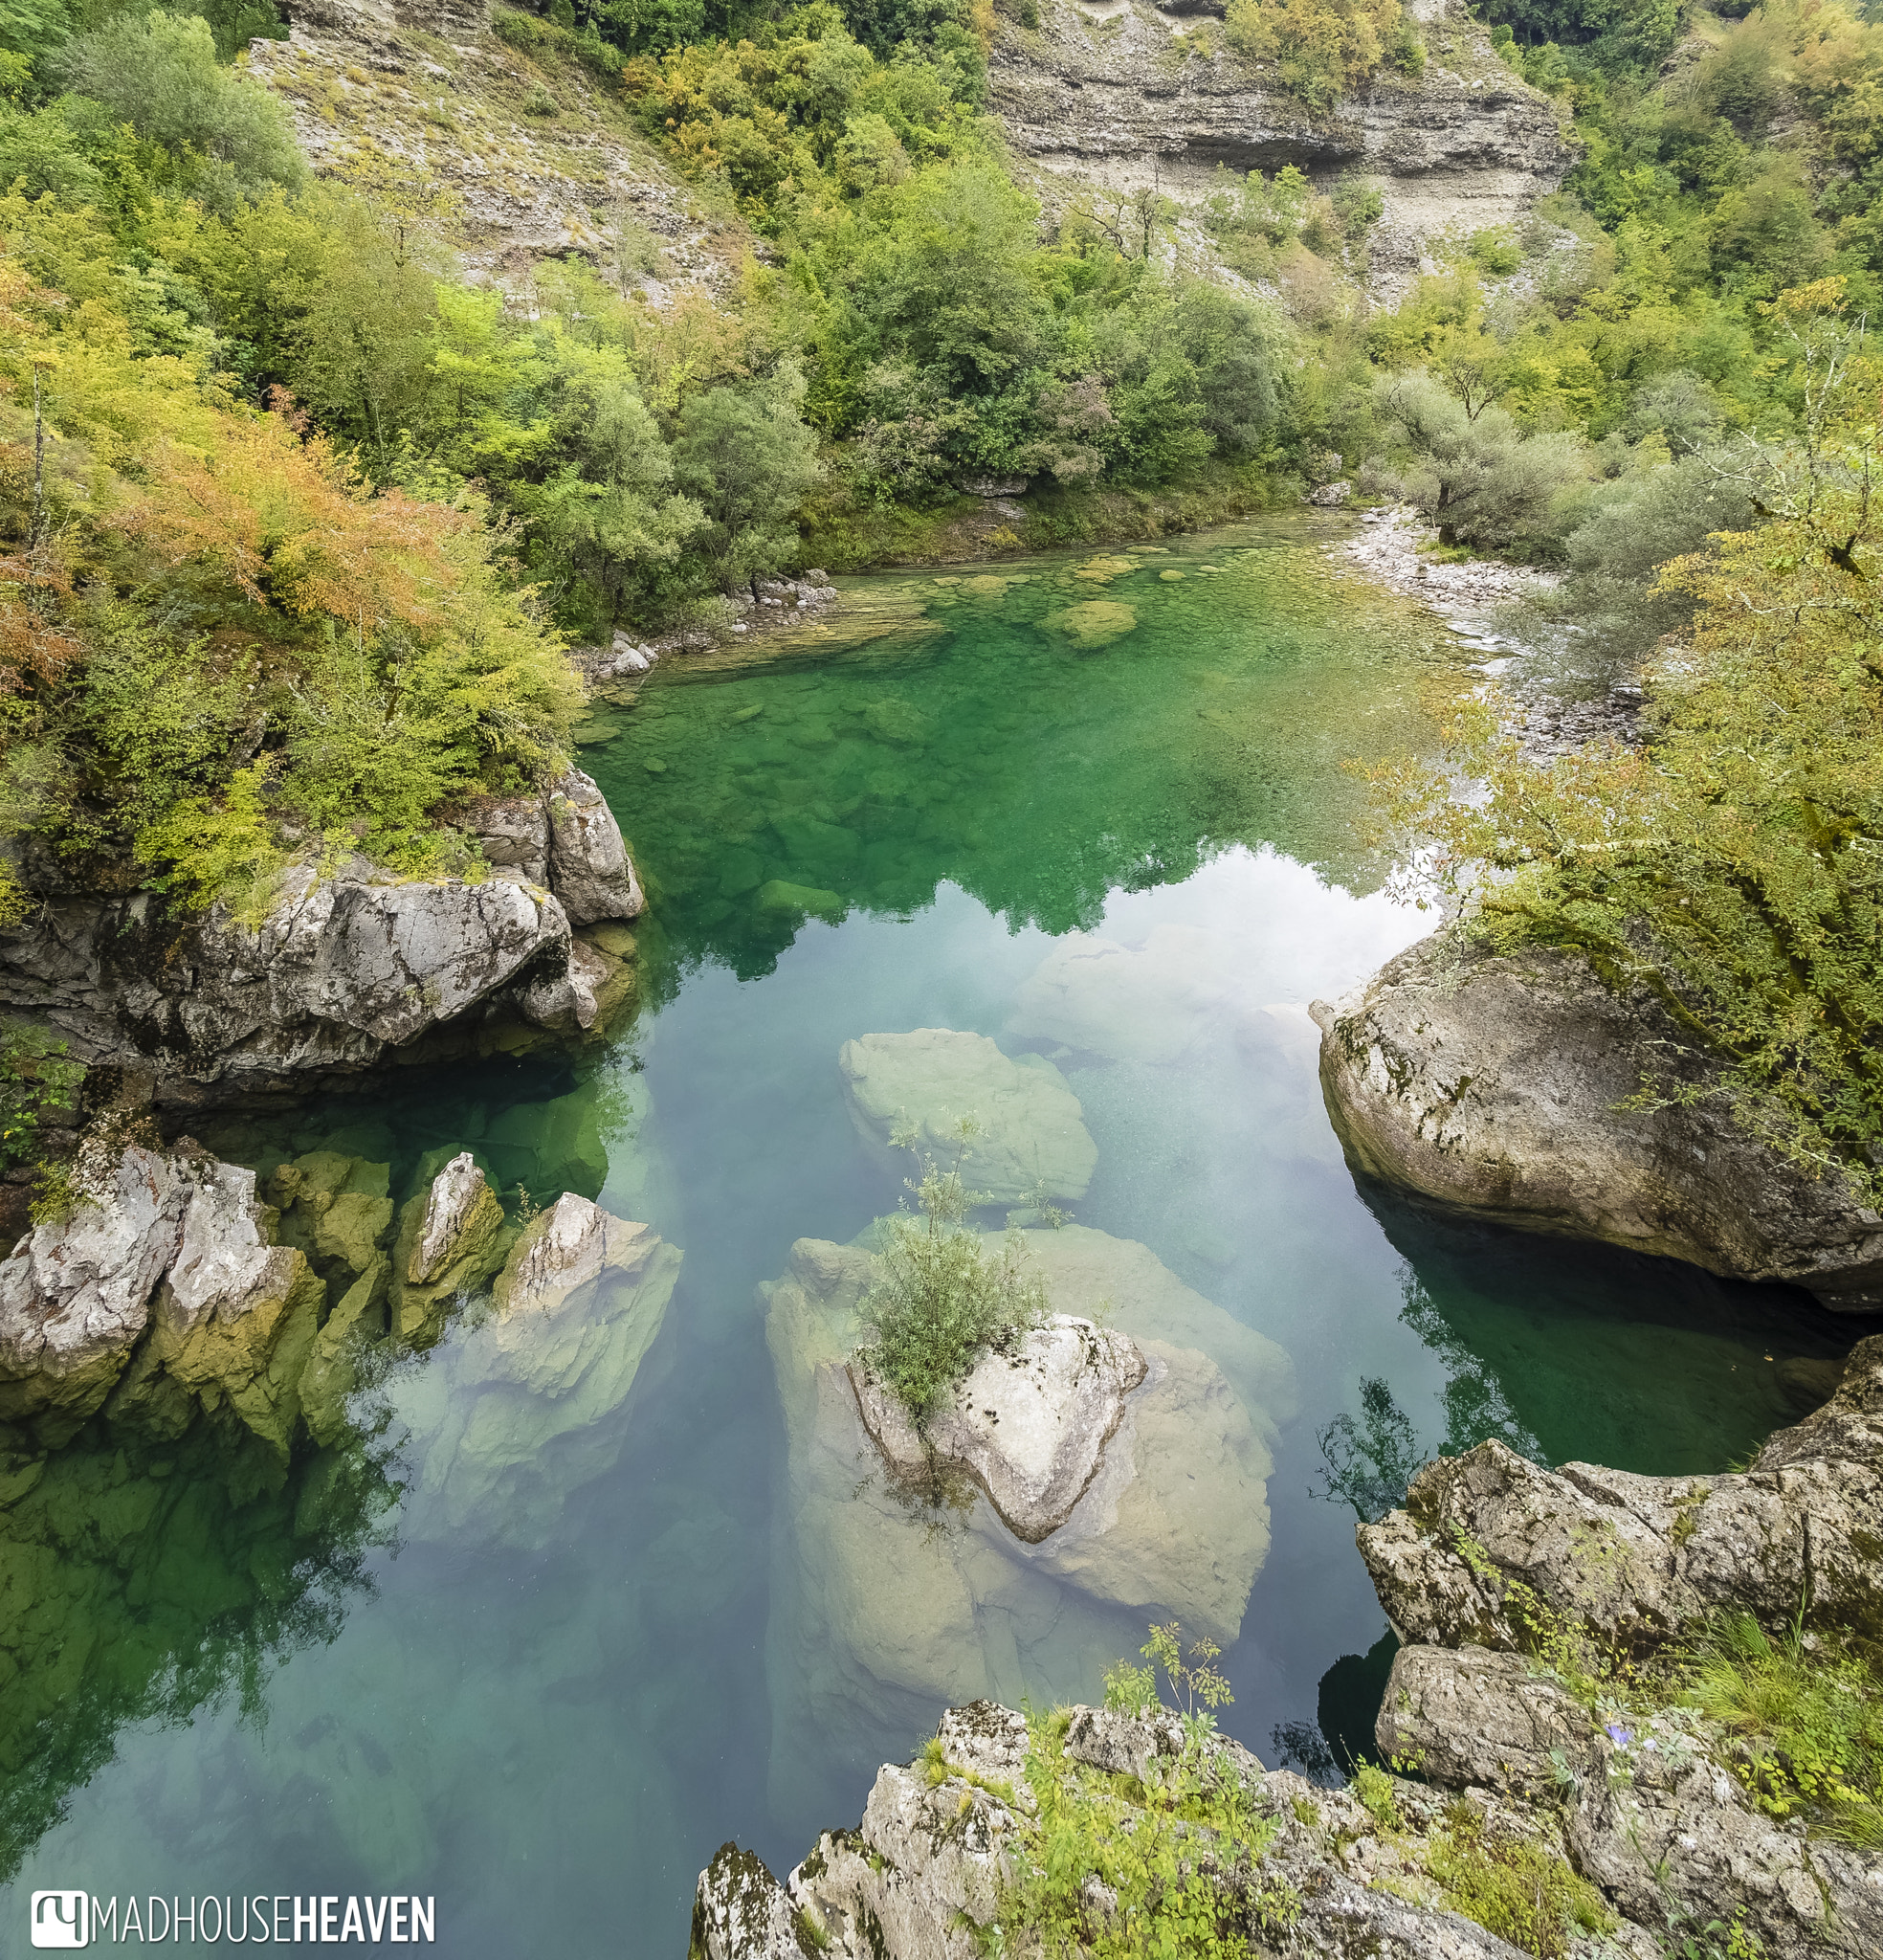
x=1030, y=1422
x=423, y=89
x=1486, y=1539
x=344, y=971
x=1109, y=96
x=1030, y=1133
x=159, y=1296
x=1496, y=1084
x=524, y=1404
x=452, y=1241
x=1596, y=1822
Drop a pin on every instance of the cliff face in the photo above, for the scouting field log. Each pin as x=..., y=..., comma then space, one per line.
x=423, y=95
x=1122, y=95
x=348, y=966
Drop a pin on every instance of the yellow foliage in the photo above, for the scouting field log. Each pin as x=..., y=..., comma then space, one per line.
x=1322, y=48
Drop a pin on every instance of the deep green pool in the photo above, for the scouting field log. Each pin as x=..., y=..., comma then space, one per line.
x=1120, y=838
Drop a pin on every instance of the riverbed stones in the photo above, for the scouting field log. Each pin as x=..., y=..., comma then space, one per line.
x=1093, y=623
x=1030, y=1133
x=521, y=1404
x=1500, y=1086
x=1031, y=1422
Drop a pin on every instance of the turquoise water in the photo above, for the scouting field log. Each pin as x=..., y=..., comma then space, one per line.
x=1122, y=839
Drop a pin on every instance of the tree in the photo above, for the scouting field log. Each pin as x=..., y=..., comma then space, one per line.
x=159, y=72
x=1478, y=478
x=749, y=460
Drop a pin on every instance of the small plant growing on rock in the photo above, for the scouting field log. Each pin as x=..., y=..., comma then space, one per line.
x=944, y=1295
x=538, y=101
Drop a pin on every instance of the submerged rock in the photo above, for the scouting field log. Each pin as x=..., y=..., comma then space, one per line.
x=516, y=1409
x=1032, y=1132
x=881, y=1602
x=1587, y=1817
x=1030, y=1422
x=1495, y=1085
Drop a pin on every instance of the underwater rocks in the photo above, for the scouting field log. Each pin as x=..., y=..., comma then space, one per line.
x=177, y=1286
x=341, y=971
x=452, y=1239
x=1495, y=1085
x=1031, y=1424
x=1639, y=1560
x=891, y=1593
x=512, y=1415
x=1594, y=1829
x=1031, y=1134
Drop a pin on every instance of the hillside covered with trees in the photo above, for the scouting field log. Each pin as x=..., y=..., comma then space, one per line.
x=300, y=517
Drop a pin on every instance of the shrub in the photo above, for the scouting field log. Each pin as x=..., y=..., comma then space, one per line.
x=1322, y=49
x=1477, y=478
x=35, y=1079
x=944, y=1295
x=159, y=72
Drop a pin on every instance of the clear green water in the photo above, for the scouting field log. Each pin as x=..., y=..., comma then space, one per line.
x=550, y=1711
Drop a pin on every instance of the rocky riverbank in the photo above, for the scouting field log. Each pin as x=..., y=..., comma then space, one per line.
x=347, y=968
x=1561, y=1798
x=176, y=1290
x=1498, y=1087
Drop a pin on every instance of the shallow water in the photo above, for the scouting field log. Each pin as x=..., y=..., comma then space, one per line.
x=544, y=1693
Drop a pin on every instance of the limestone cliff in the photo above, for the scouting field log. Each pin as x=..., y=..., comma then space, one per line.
x=346, y=968
x=1125, y=94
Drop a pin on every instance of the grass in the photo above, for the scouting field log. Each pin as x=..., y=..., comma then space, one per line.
x=1803, y=1727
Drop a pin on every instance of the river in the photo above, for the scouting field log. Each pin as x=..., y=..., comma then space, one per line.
x=1096, y=806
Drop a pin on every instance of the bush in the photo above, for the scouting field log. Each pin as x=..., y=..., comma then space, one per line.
x=159, y=72
x=1612, y=593
x=1478, y=478
x=36, y=1080
x=1322, y=49
x=944, y=1296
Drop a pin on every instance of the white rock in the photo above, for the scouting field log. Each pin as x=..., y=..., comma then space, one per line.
x=1031, y=1424
x=588, y=865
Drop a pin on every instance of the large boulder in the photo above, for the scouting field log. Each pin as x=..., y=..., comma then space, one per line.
x=1031, y=1132
x=882, y=1602
x=1030, y=1422
x=1498, y=1085
x=589, y=870
x=1638, y=1561
x=521, y=1404
x=343, y=970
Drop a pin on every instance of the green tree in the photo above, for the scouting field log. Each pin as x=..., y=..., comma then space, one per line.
x=748, y=459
